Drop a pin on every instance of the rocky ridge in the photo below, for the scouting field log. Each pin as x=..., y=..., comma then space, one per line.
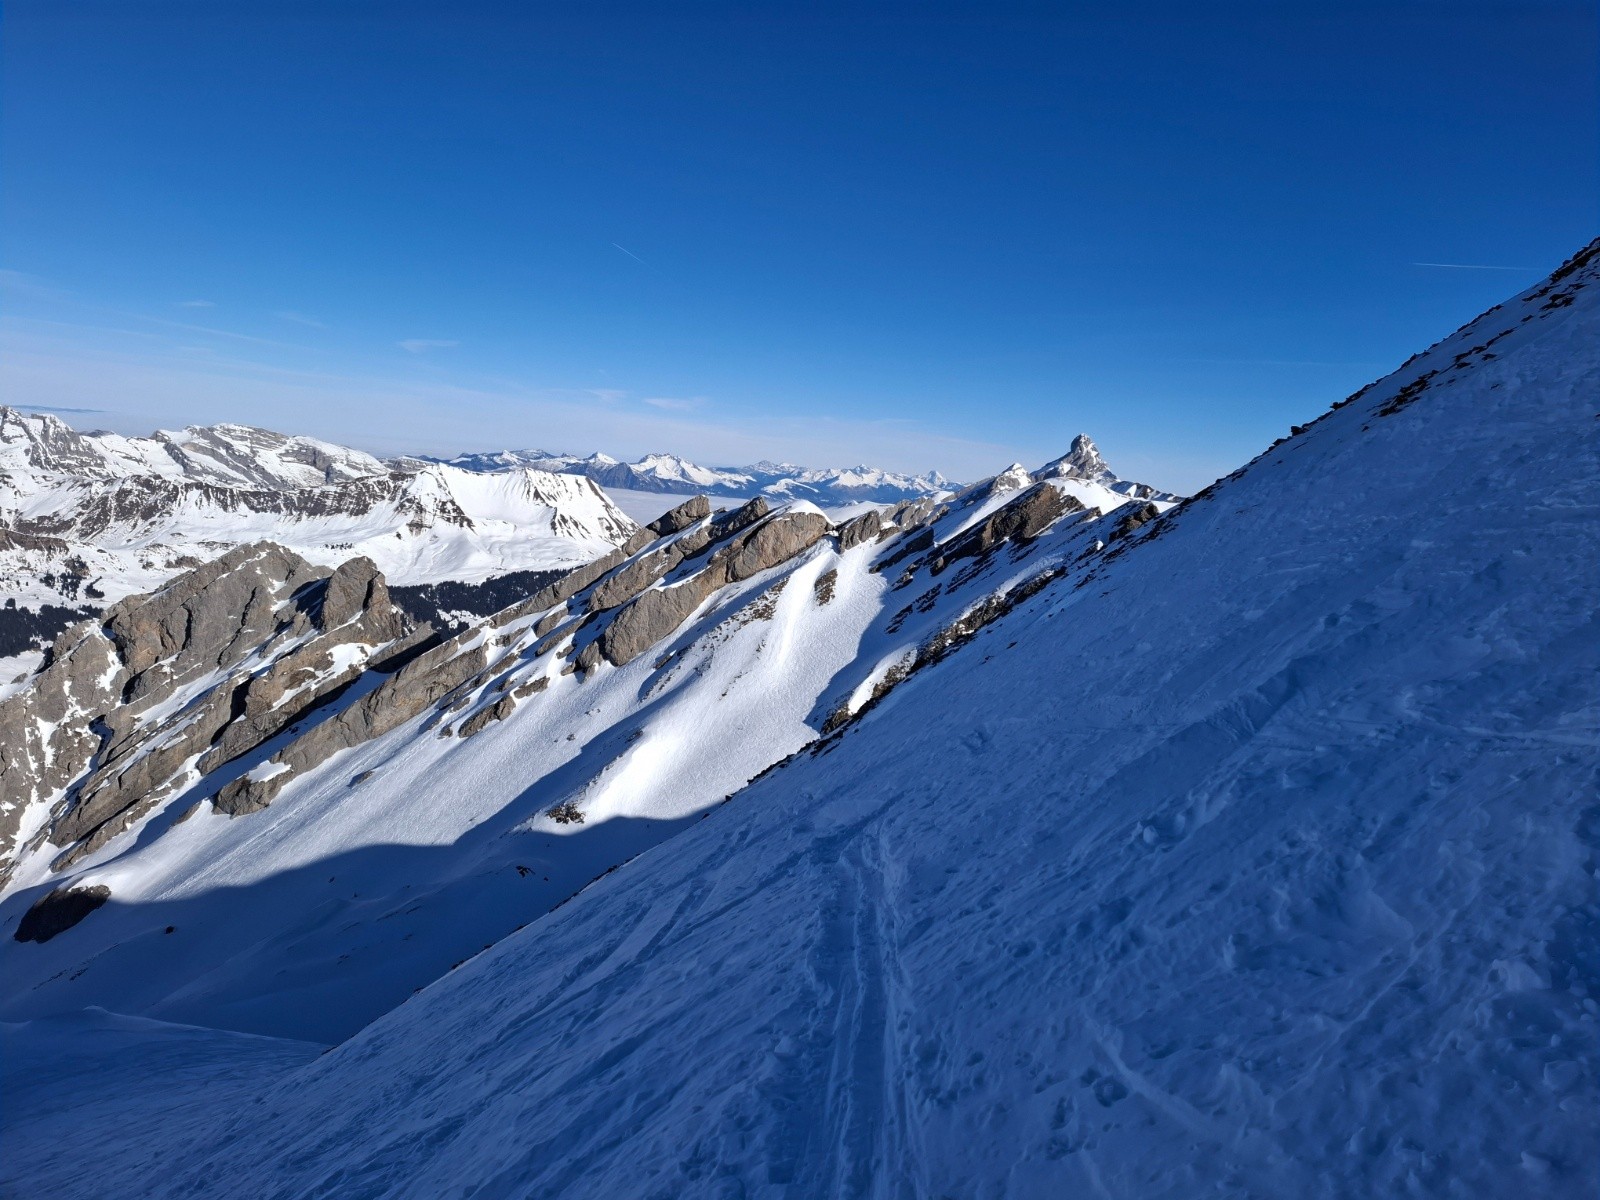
x=235, y=682
x=88, y=518
x=167, y=689
x=37, y=446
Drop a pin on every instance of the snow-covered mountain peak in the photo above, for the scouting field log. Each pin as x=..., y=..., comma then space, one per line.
x=1082, y=461
x=1013, y=478
x=42, y=449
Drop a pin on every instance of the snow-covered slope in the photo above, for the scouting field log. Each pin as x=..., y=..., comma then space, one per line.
x=437, y=523
x=450, y=841
x=1245, y=851
x=40, y=448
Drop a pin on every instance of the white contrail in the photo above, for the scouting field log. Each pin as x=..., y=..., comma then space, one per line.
x=1471, y=267
x=632, y=255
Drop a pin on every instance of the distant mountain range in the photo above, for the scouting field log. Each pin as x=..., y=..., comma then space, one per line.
x=828, y=487
x=89, y=518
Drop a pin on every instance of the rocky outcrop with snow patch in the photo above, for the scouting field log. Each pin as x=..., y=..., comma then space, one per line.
x=171, y=687
x=649, y=682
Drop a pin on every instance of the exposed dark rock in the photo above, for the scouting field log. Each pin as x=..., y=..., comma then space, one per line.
x=915, y=544
x=58, y=911
x=421, y=682
x=14, y=539
x=141, y=765
x=1014, y=478
x=570, y=583
x=655, y=613
x=356, y=589
x=484, y=717
x=1082, y=461
x=244, y=796
x=861, y=529
x=1140, y=516
x=825, y=584
x=551, y=641
x=770, y=543
x=652, y=616
x=1019, y=520
x=940, y=646
x=721, y=527
x=897, y=674
x=629, y=580
x=97, y=728
x=637, y=541
x=680, y=518
x=208, y=618
x=588, y=658
x=914, y=513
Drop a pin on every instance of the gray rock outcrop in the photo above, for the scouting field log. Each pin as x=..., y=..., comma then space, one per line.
x=260, y=645
x=59, y=910
x=1019, y=520
x=1142, y=515
x=864, y=528
x=655, y=613
x=176, y=683
x=680, y=518
x=419, y=683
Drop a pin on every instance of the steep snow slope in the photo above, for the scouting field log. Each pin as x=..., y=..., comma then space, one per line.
x=1262, y=863
x=399, y=857
x=142, y=1079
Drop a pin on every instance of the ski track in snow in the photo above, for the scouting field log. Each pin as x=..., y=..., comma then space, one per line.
x=1261, y=864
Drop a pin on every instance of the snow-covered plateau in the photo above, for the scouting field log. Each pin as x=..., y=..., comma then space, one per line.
x=1044, y=839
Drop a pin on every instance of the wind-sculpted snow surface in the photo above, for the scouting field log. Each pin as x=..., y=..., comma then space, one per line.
x=1251, y=853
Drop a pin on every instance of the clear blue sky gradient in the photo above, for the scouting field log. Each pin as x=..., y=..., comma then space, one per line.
x=919, y=235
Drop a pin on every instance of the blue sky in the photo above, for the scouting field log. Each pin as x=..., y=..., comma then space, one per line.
x=916, y=235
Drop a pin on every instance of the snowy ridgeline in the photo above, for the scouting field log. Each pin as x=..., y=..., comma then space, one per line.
x=87, y=518
x=1253, y=854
